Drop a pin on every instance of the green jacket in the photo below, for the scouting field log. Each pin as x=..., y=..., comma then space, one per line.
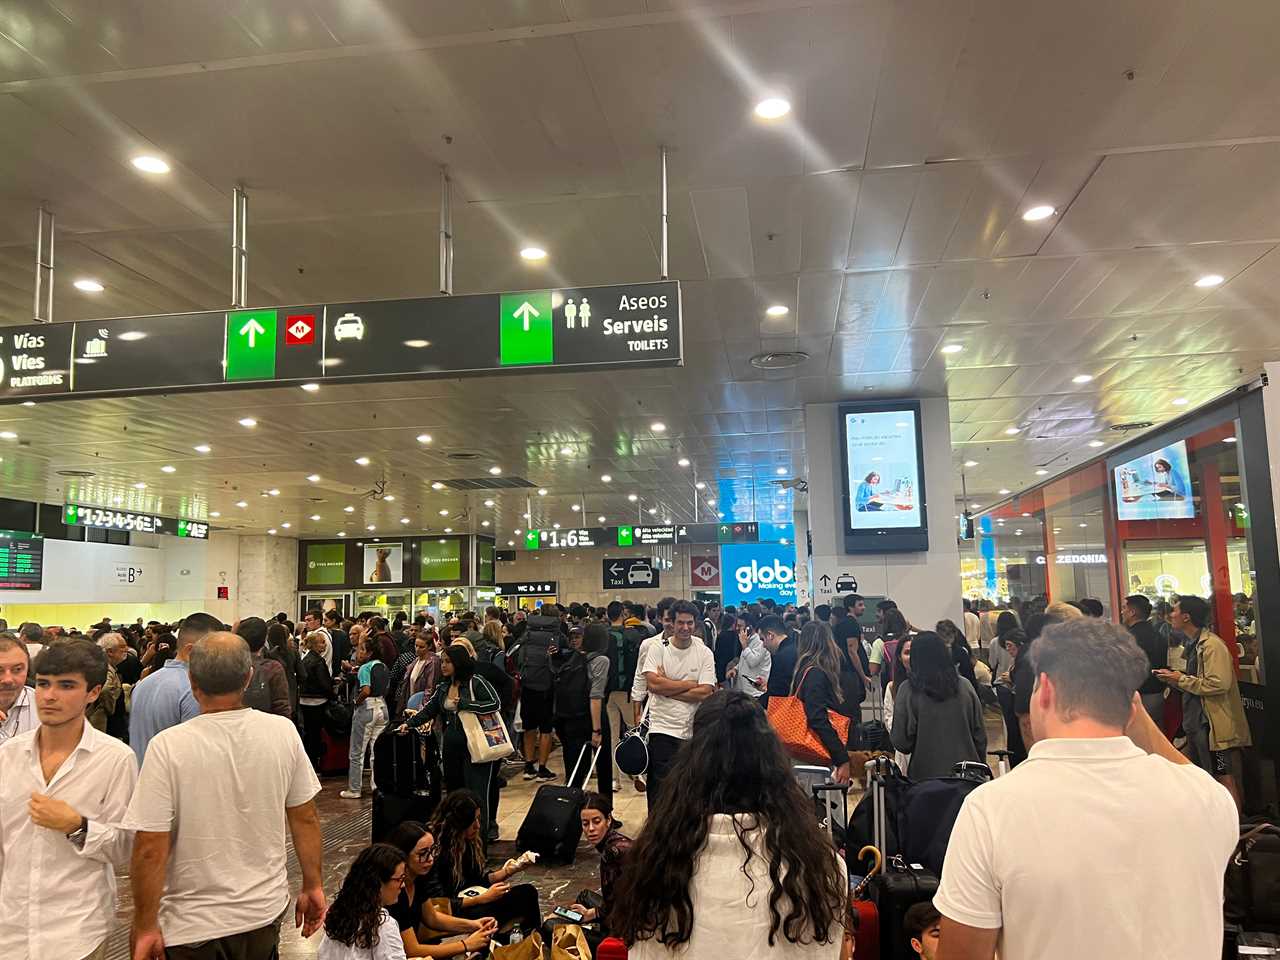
x=1215, y=684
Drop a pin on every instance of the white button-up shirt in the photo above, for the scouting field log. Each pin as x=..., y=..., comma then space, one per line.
x=57, y=902
x=21, y=717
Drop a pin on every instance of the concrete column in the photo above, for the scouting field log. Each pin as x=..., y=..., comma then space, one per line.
x=926, y=586
x=267, y=576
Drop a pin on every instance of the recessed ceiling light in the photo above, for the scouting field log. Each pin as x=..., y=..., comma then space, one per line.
x=342, y=533
x=542, y=491
x=417, y=344
x=348, y=509
x=533, y=253
x=574, y=507
x=973, y=506
x=1082, y=378
x=1228, y=439
x=488, y=503
x=1004, y=491
x=606, y=478
x=683, y=461
x=658, y=427
x=139, y=486
x=424, y=438
x=1026, y=514
x=437, y=485
x=313, y=477
x=953, y=348
x=516, y=531
x=131, y=335
x=700, y=485
x=1039, y=212
x=971, y=463
x=88, y=286
x=495, y=470
x=248, y=422
x=149, y=164
x=555, y=526
x=778, y=310
x=311, y=387
x=600, y=519
x=1095, y=444
x=443, y=512
x=286, y=525
x=362, y=461
x=511, y=543
x=1180, y=401
x=1042, y=473
x=711, y=501
x=241, y=504
x=315, y=516
x=8, y=435
x=404, y=519
x=772, y=108
x=652, y=511
x=273, y=492
x=389, y=497
x=632, y=497
x=1084, y=524
x=1012, y=431
x=566, y=451
x=203, y=448
x=272, y=531
x=781, y=471
x=371, y=527
x=28, y=403
x=168, y=469
x=215, y=514
x=1017, y=533
x=484, y=523
x=1210, y=280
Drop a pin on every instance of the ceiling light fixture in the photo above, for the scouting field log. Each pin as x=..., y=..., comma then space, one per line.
x=1095, y=444
x=488, y=503
x=542, y=491
x=417, y=344
x=653, y=511
x=311, y=387
x=149, y=164
x=574, y=507
x=139, y=486
x=533, y=253
x=371, y=528
x=404, y=519
x=658, y=427
x=781, y=471
x=86, y=285
x=700, y=485
x=248, y=422
x=778, y=310
x=953, y=348
x=632, y=497
x=443, y=513
x=1004, y=491
x=1042, y=473
x=600, y=519
x=168, y=469
x=772, y=108
x=495, y=470
x=437, y=485
x=389, y=497
x=683, y=461
x=28, y=403
x=1013, y=431
x=348, y=509
x=511, y=543
x=286, y=525
x=273, y=492
x=362, y=461
x=342, y=533
x=213, y=513
x=555, y=526
x=1180, y=401
x=566, y=451
x=1082, y=378
x=606, y=478
x=241, y=504
x=1210, y=280
x=1041, y=211
x=315, y=516
x=272, y=531
x=711, y=501
x=484, y=523
x=131, y=335
x=971, y=463
x=424, y=438
x=1228, y=439
x=313, y=477
x=203, y=448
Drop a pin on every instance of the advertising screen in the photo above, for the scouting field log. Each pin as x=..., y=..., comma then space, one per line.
x=753, y=571
x=882, y=474
x=440, y=561
x=1156, y=487
x=383, y=563
x=326, y=564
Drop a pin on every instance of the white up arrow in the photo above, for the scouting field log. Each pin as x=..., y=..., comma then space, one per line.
x=251, y=330
x=522, y=312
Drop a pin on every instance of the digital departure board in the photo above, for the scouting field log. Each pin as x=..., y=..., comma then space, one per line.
x=21, y=560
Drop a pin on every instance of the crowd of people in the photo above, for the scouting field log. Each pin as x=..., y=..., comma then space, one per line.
x=190, y=752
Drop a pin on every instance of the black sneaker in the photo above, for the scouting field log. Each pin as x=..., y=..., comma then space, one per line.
x=529, y=771
x=544, y=775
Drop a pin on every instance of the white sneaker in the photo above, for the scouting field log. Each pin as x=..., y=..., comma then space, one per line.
x=349, y=795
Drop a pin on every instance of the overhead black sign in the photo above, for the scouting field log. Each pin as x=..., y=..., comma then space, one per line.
x=528, y=588
x=629, y=573
x=105, y=518
x=583, y=327
x=21, y=560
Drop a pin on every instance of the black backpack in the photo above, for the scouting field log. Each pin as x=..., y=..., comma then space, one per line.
x=258, y=693
x=535, y=661
x=573, y=685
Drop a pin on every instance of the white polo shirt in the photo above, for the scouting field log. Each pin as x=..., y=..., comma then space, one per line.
x=1093, y=848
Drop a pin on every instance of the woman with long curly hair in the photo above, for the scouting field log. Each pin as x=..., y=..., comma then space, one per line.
x=358, y=926
x=816, y=682
x=937, y=718
x=460, y=866
x=727, y=865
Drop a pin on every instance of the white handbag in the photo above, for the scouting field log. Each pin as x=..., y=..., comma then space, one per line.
x=487, y=736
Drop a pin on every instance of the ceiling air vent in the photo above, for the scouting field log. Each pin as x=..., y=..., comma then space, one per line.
x=779, y=361
x=79, y=474
x=488, y=483
x=1136, y=425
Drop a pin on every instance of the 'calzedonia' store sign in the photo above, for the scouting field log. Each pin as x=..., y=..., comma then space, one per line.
x=588, y=328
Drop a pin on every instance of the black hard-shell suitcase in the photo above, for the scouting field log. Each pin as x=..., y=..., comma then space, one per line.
x=406, y=780
x=553, y=827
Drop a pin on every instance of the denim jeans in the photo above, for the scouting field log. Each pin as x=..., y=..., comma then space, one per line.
x=367, y=721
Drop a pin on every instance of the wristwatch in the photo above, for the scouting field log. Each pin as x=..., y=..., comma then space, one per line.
x=77, y=836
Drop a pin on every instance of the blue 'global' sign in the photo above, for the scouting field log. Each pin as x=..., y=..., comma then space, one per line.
x=753, y=571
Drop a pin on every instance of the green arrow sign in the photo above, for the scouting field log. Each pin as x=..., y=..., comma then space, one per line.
x=625, y=536
x=531, y=540
x=526, y=333
x=251, y=345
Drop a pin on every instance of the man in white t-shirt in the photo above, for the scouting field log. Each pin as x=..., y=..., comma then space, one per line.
x=210, y=813
x=1105, y=842
x=679, y=674
x=639, y=687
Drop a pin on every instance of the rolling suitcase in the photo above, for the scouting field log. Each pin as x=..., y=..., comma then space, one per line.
x=552, y=826
x=335, y=761
x=930, y=813
x=873, y=735
x=406, y=778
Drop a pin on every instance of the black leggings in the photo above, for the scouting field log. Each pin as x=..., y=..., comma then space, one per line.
x=520, y=904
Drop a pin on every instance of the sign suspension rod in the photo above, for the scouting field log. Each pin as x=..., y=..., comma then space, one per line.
x=44, y=266
x=239, y=247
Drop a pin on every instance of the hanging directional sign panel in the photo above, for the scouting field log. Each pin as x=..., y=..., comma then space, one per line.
x=624, y=572
x=566, y=329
